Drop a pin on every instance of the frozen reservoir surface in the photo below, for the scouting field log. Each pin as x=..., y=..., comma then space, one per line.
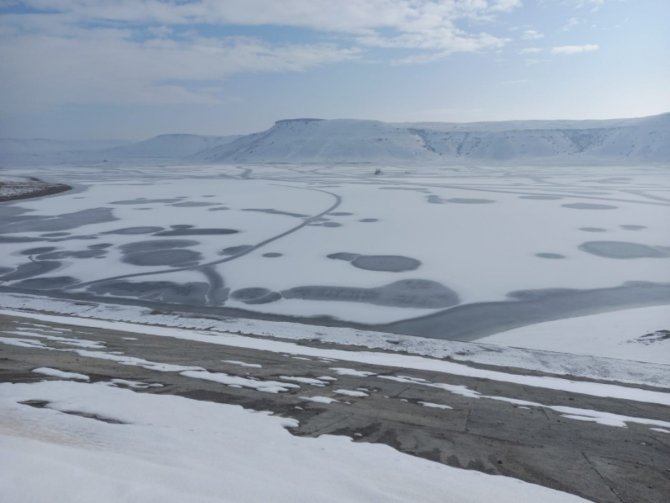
x=446, y=252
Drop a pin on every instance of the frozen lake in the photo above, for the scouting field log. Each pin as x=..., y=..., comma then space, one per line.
x=456, y=253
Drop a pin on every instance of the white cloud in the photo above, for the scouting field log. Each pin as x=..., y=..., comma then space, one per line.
x=426, y=24
x=530, y=50
x=532, y=35
x=574, y=49
x=150, y=51
x=571, y=23
x=109, y=67
x=594, y=4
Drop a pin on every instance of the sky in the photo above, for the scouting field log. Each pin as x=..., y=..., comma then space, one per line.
x=131, y=69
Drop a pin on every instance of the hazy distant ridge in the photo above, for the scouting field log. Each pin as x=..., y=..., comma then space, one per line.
x=323, y=141
x=641, y=140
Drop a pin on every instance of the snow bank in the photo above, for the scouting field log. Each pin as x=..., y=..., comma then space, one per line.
x=172, y=449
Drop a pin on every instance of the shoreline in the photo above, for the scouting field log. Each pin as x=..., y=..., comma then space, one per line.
x=575, y=365
x=37, y=188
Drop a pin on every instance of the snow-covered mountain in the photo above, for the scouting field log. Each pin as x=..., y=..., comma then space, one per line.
x=40, y=150
x=323, y=141
x=619, y=141
x=168, y=146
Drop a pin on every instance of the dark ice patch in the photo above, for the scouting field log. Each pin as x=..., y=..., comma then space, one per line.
x=31, y=269
x=614, y=179
x=144, y=200
x=413, y=189
x=60, y=255
x=272, y=254
x=386, y=263
x=408, y=293
x=8, y=212
x=343, y=256
x=193, y=204
x=193, y=293
x=632, y=227
x=156, y=244
x=389, y=263
x=100, y=246
x=234, y=250
x=326, y=224
x=47, y=283
x=541, y=197
x=471, y=321
x=197, y=232
x=147, y=229
x=340, y=213
x=589, y=206
x=368, y=220
x=624, y=250
x=550, y=255
x=468, y=200
x=272, y=211
x=173, y=257
x=55, y=234
x=19, y=239
x=38, y=250
x=255, y=295
x=62, y=222
x=592, y=229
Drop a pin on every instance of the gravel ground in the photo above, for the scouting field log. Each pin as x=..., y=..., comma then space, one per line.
x=535, y=444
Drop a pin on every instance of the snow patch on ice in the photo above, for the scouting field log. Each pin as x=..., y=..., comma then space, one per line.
x=351, y=372
x=47, y=371
x=349, y=392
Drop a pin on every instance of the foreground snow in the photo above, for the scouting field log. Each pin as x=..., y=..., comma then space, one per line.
x=171, y=449
x=619, y=334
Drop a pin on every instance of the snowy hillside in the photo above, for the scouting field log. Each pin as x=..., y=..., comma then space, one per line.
x=316, y=140
x=41, y=150
x=620, y=141
x=638, y=140
x=323, y=141
x=168, y=146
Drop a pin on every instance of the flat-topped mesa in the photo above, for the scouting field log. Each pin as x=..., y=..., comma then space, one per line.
x=644, y=140
x=293, y=123
x=298, y=120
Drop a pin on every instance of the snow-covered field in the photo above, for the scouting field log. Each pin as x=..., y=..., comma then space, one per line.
x=615, y=334
x=465, y=246
x=161, y=448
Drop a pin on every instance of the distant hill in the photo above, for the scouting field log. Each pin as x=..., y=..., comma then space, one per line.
x=621, y=141
x=41, y=150
x=168, y=146
x=323, y=141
